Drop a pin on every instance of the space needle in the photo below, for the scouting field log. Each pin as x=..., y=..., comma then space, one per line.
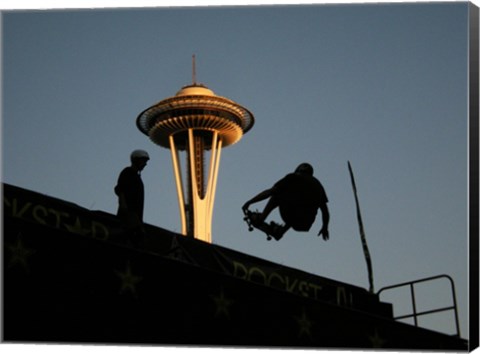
x=195, y=121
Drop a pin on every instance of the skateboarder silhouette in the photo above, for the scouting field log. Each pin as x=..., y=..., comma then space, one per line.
x=298, y=196
x=130, y=192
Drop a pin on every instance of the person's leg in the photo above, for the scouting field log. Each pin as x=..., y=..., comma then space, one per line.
x=279, y=230
x=271, y=204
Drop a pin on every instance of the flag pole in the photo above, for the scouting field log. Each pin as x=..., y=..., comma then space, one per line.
x=362, y=232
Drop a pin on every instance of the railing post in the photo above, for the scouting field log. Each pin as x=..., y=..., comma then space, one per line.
x=452, y=285
x=414, y=305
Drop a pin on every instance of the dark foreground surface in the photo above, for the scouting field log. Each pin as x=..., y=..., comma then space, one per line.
x=71, y=277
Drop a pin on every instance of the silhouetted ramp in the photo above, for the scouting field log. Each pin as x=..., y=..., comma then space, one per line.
x=69, y=277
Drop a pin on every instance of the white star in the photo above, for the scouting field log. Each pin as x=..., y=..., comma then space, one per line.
x=222, y=304
x=376, y=340
x=19, y=254
x=305, y=325
x=129, y=280
x=76, y=228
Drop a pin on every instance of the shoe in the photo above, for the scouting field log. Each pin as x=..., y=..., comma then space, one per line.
x=276, y=230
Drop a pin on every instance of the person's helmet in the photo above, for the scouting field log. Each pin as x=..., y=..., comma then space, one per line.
x=139, y=154
x=304, y=169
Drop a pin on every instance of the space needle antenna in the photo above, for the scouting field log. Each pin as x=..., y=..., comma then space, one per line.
x=194, y=71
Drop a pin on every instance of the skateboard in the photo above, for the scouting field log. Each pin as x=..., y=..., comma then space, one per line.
x=269, y=229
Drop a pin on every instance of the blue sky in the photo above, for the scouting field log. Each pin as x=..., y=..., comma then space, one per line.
x=381, y=86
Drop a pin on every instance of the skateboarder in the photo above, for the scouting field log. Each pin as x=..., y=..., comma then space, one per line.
x=298, y=196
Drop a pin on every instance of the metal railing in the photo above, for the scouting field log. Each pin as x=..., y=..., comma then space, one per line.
x=416, y=314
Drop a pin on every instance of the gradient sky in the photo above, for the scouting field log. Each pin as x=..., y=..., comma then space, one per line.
x=381, y=86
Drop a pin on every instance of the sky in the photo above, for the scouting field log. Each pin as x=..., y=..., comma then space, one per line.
x=383, y=86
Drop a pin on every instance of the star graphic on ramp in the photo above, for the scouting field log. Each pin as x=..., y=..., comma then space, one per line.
x=376, y=340
x=129, y=280
x=222, y=304
x=304, y=325
x=76, y=228
x=19, y=254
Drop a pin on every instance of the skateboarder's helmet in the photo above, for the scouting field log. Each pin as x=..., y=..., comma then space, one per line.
x=139, y=154
x=304, y=169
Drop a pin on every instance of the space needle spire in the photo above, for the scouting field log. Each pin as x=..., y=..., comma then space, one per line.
x=194, y=71
x=195, y=121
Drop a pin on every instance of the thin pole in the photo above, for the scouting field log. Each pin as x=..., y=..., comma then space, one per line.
x=362, y=232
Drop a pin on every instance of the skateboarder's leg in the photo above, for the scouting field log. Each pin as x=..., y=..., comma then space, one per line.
x=271, y=204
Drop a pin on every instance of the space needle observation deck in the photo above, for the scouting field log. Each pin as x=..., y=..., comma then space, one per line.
x=195, y=121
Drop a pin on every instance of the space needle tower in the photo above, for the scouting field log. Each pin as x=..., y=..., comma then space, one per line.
x=195, y=121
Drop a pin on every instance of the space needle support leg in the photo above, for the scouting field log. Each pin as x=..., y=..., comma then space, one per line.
x=178, y=180
x=197, y=204
x=214, y=166
x=203, y=205
x=213, y=173
x=212, y=163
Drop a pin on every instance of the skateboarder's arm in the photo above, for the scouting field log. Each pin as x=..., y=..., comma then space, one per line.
x=259, y=197
x=325, y=220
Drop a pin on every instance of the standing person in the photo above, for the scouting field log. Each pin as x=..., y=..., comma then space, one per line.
x=131, y=195
x=298, y=196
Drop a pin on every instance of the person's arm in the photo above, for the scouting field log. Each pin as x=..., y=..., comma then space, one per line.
x=259, y=197
x=325, y=220
x=122, y=202
x=123, y=181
